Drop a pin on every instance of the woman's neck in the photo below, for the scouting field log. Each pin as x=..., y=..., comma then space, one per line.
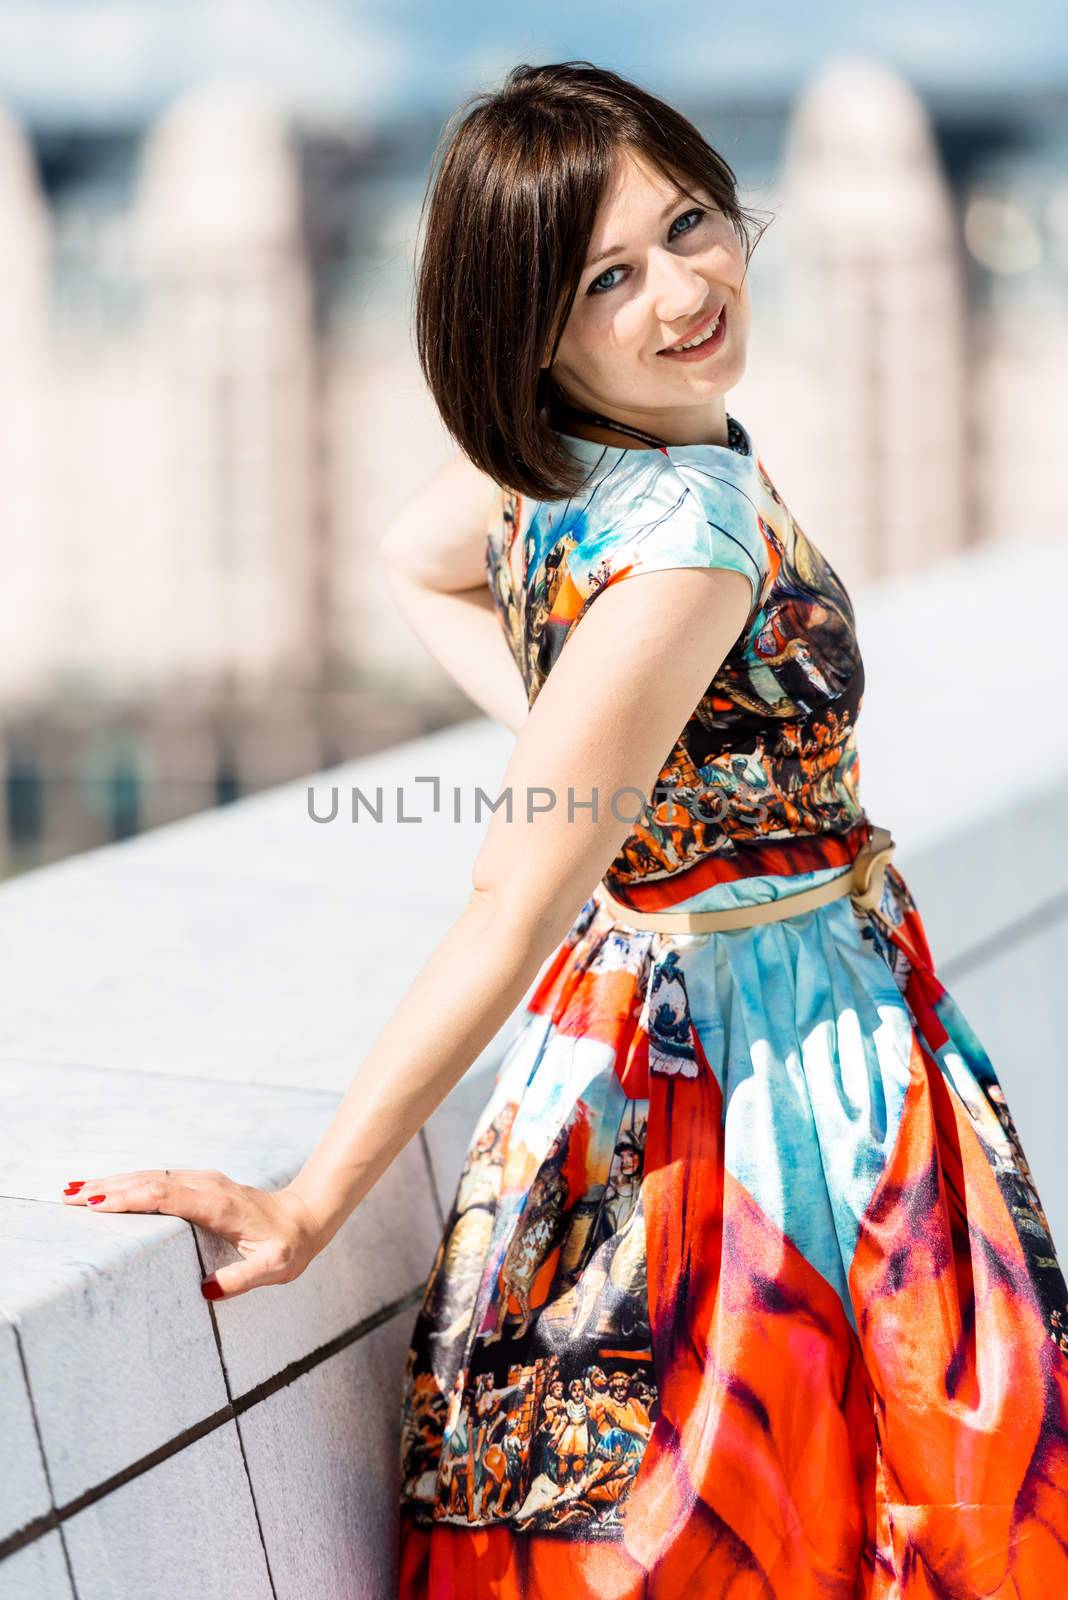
x=588, y=422
x=589, y=430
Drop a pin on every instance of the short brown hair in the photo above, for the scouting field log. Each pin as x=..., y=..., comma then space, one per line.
x=509, y=217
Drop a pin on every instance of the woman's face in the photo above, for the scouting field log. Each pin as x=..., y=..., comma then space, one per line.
x=670, y=264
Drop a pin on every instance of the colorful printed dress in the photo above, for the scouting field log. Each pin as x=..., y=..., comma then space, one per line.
x=746, y=1290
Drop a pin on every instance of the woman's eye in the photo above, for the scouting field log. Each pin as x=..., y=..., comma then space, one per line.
x=593, y=289
x=697, y=212
x=598, y=286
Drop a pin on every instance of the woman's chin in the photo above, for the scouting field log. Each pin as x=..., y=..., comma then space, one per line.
x=717, y=380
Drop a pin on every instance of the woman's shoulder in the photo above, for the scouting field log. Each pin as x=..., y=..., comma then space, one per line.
x=644, y=510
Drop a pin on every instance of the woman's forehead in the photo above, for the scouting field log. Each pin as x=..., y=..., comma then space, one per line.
x=636, y=187
x=634, y=174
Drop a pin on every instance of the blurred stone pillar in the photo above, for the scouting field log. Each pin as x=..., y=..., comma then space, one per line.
x=874, y=321
x=29, y=628
x=230, y=332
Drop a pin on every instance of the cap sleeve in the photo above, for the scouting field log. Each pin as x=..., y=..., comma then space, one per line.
x=691, y=515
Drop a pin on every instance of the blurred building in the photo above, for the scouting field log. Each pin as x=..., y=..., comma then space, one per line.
x=230, y=389
x=910, y=319
x=27, y=618
x=210, y=408
x=196, y=470
x=872, y=322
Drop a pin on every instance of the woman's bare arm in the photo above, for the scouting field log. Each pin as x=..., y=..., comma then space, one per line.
x=463, y=632
x=434, y=554
x=623, y=688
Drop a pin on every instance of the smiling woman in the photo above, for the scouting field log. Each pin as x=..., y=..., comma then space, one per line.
x=632, y=238
x=681, y=300
x=745, y=1289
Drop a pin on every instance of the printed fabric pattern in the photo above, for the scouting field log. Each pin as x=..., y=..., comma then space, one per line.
x=765, y=776
x=746, y=1291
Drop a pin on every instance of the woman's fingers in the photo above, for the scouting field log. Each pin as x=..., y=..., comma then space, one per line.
x=277, y=1243
x=208, y=1199
x=81, y=1190
x=274, y=1262
x=273, y=1230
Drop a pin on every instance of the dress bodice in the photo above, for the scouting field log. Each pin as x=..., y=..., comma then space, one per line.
x=764, y=776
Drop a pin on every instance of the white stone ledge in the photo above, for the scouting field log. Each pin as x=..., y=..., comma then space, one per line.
x=201, y=996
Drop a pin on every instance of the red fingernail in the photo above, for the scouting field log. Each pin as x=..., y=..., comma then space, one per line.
x=94, y=1198
x=75, y=1183
x=211, y=1289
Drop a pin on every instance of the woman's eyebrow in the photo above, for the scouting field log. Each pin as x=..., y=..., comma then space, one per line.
x=618, y=249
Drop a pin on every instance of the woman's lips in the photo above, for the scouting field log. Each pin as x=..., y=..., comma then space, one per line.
x=700, y=351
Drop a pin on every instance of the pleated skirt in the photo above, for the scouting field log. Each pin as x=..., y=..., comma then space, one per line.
x=746, y=1289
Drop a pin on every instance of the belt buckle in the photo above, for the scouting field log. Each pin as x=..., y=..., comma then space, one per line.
x=869, y=866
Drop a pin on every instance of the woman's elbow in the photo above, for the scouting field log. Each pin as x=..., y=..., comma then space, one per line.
x=521, y=913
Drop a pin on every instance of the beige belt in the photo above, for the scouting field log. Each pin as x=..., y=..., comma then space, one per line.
x=864, y=883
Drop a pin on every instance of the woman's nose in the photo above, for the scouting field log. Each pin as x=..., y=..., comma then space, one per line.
x=679, y=292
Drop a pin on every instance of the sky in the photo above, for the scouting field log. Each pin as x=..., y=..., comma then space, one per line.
x=106, y=61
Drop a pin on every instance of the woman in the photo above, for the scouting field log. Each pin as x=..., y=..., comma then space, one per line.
x=745, y=1290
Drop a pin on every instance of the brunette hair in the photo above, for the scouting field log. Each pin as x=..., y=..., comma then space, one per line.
x=508, y=218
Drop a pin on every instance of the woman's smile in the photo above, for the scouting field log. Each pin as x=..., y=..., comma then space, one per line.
x=709, y=341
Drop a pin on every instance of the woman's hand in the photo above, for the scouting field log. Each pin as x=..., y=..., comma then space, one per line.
x=272, y=1228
